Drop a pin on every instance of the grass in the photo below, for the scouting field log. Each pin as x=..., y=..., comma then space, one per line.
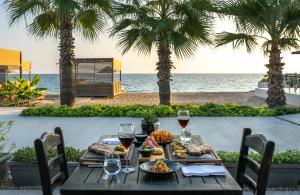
x=205, y=110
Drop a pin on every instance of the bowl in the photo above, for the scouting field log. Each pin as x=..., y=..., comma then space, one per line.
x=146, y=153
x=173, y=166
x=141, y=137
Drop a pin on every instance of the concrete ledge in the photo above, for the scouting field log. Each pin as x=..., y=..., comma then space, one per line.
x=291, y=98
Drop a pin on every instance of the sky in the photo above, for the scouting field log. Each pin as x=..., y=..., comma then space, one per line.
x=43, y=53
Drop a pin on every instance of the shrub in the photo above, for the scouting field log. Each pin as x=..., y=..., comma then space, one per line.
x=21, y=89
x=27, y=154
x=285, y=157
x=205, y=110
x=4, y=141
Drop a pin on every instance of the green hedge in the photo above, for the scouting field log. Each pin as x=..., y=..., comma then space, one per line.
x=27, y=154
x=204, y=110
x=286, y=157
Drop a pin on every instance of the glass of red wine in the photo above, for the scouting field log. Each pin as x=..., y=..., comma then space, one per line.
x=183, y=117
x=126, y=136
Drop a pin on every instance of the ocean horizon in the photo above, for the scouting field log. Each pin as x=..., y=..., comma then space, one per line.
x=182, y=82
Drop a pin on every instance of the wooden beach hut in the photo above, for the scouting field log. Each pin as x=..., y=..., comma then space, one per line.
x=97, y=77
x=11, y=62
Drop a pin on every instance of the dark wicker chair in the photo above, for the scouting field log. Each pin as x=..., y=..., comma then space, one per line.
x=53, y=172
x=265, y=148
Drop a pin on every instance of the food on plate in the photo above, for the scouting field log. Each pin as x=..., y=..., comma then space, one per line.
x=158, y=151
x=150, y=141
x=146, y=150
x=181, y=154
x=145, y=147
x=197, y=150
x=176, y=145
x=160, y=167
x=120, y=150
x=181, y=151
x=162, y=136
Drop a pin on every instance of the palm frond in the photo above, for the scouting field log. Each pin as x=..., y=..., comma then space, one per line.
x=290, y=20
x=237, y=40
x=89, y=23
x=288, y=43
x=45, y=25
x=17, y=9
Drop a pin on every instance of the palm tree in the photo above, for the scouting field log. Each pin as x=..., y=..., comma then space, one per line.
x=168, y=25
x=274, y=22
x=60, y=19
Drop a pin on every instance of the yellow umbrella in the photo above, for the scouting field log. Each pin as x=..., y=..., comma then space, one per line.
x=10, y=57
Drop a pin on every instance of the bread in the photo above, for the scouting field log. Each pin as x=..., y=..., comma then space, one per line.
x=158, y=151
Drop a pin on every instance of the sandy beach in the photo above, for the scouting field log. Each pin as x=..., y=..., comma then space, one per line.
x=244, y=98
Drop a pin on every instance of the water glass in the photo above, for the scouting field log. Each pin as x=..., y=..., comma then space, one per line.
x=112, y=164
x=156, y=126
x=186, y=136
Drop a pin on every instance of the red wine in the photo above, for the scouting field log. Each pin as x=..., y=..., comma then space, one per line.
x=126, y=140
x=183, y=122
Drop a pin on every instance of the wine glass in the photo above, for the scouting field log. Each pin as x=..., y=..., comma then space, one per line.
x=126, y=136
x=183, y=117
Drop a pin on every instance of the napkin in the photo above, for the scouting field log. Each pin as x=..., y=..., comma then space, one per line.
x=203, y=170
x=111, y=141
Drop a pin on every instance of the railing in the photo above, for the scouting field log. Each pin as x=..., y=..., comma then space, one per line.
x=292, y=81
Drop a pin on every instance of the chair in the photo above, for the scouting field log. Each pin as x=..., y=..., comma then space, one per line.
x=265, y=148
x=56, y=165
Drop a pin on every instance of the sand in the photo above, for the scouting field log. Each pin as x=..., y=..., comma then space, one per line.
x=244, y=98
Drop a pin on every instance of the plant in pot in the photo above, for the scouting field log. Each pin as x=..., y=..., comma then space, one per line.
x=4, y=157
x=148, y=123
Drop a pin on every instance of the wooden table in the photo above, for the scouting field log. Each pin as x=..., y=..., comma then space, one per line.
x=85, y=180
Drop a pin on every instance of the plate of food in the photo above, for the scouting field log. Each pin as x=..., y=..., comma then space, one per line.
x=192, y=153
x=160, y=167
x=163, y=137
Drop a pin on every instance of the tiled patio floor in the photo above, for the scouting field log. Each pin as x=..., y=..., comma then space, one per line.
x=56, y=192
x=223, y=133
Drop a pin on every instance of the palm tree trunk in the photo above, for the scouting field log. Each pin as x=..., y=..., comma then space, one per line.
x=66, y=49
x=276, y=94
x=164, y=66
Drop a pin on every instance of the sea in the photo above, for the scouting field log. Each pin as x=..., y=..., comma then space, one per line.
x=147, y=83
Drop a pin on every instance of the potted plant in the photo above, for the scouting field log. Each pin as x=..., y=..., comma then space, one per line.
x=4, y=157
x=148, y=123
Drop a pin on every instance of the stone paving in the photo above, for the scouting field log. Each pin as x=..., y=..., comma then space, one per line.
x=56, y=192
x=223, y=133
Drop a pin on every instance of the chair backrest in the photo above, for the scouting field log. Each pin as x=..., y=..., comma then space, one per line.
x=265, y=148
x=56, y=165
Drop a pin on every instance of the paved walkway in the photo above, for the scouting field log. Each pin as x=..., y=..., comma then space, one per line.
x=223, y=133
x=293, y=118
x=56, y=192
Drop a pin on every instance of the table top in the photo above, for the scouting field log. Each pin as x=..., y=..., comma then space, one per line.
x=85, y=180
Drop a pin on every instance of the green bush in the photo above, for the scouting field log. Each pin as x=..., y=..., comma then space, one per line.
x=204, y=110
x=27, y=154
x=285, y=157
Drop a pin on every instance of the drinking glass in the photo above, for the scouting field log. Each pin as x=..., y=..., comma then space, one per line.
x=183, y=117
x=126, y=136
x=112, y=164
x=186, y=136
